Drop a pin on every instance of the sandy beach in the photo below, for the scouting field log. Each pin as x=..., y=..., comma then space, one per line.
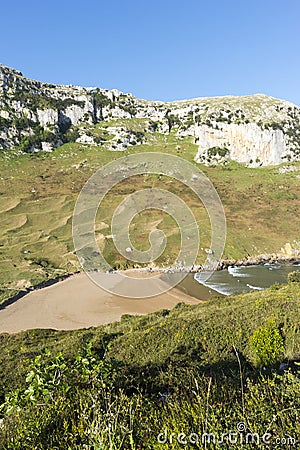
x=77, y=302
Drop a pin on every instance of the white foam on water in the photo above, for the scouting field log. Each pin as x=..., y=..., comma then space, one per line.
x=218, y=288
x=221, y=288
x=232, y=279
x=233, y=270
x=236, y=272
x=242, y=275
x=257, y=288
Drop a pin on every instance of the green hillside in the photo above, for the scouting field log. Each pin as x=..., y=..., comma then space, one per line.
x=39, y=190
x=195, y=369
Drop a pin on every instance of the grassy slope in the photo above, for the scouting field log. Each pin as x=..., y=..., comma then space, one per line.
x=38, y=193
x=210, y=329
x=165, y=352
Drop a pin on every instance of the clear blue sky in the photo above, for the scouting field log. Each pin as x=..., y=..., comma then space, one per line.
x=158, y=49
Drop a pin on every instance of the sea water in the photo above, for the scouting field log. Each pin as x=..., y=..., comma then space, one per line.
x=236, y=280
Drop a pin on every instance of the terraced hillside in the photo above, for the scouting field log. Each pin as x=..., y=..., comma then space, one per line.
x=39, y=190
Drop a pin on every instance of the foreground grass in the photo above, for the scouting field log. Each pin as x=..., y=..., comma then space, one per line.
x=195, y=369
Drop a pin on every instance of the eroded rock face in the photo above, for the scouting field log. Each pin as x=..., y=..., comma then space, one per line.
x=45, y=117
x=245, y=143
x=254, y=130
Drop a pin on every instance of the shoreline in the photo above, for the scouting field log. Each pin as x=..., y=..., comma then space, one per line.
x=77, y=303
x=223, y=265
x=270, y=258
x=74, y=301
x=42, y=285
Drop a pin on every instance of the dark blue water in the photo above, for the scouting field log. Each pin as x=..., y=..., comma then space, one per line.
x=236, y=280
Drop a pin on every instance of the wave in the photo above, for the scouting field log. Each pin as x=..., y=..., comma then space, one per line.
x=218, y=287
x=233, y=280
x=232, y=270
x=235, y=272
x=221, y=288
x=257, y=288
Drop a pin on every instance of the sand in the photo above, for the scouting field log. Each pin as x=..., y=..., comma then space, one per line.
x=79, y=303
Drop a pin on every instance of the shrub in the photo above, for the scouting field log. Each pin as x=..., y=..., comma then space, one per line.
x=153, y=126
x=100, y=100
x=294, y=277
x=267, y=344
x=35, y=141
x=43, y=262
x=4, y=124
x=70, y=135
x=172, y=120
x=214, y=151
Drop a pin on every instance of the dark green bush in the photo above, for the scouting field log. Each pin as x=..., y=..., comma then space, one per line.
x=294, y=277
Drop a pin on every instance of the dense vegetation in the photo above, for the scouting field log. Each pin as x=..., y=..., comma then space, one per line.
x=199, y=369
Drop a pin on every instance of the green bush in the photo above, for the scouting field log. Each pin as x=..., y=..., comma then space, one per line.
x=70, y=135
x=153, y=126
x=100, y=100
x=172, y=120
x=40, y=135
x=4, y=123
x=267, y=344
x=294, y=277
x=214, y=151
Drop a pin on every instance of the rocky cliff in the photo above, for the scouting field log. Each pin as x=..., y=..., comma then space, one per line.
x=255, y=130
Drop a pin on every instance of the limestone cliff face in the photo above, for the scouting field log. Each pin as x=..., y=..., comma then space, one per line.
x=245, y=143
x=254, y=130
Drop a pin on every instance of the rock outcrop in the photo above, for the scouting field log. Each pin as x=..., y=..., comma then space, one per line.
x=245, y=143
x=254, y=130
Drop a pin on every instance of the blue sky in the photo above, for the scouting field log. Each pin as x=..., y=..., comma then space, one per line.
x=162, y=50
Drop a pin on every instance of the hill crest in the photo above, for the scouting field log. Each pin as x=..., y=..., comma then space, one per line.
x=256, y=130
